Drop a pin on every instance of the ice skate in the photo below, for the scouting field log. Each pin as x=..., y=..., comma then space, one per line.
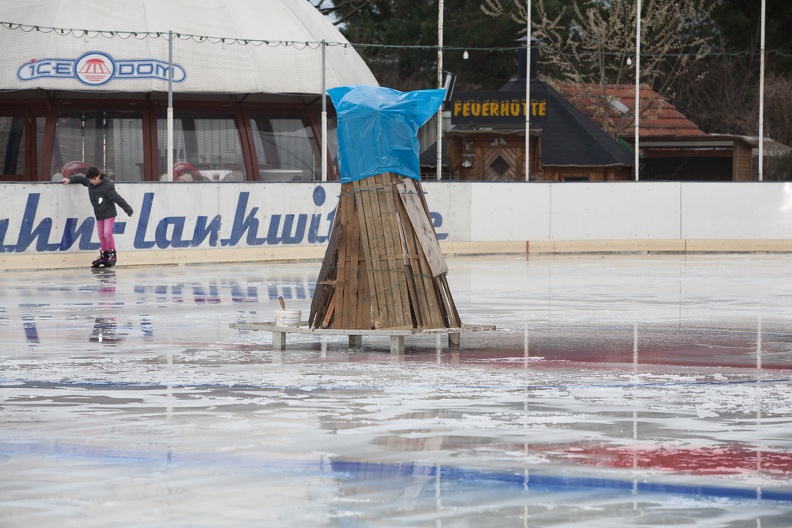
x=110, y=258
x=101, y=261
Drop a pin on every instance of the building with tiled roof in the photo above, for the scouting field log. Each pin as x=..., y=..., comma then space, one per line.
x=672, y=147
x=486, y=140
x=573, y=138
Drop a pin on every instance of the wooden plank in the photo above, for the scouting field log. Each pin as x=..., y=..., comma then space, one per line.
x=385, y=273
x=364, y=295
x=388, y=276
x=433, y=301
x=444, y=293
x=451, y=302
x=414, y=299
x=364, y=244
x=351, y=261
x=358, y=279
x=400, y=216
x=417, y=291
x=370, y=248
x=421, y=270
x=448, y=300
x=370, y=253
x=337, y=321
x=444, y=308
x=423, y=227
x=325, y=282
x=321, y=316
x=407, y=331
x=432, y=313
x=396, y=269
x=329, y=313
x=343, y=299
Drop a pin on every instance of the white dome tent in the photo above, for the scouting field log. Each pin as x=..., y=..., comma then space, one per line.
x=90, y=81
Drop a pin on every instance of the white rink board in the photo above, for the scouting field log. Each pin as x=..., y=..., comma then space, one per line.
x=450, y=200
x=54, y=219
x=618, y=211
x=510, y=211
x=737, y=211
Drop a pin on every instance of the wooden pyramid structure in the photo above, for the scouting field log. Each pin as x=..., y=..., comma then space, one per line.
x=383, y=267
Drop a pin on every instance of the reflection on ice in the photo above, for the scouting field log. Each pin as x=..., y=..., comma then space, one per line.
x=104, y=330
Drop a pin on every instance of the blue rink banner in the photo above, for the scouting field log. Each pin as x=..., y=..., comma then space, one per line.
x=52, y=218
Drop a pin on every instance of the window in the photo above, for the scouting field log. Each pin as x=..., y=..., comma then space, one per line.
x=287, y=149
x=12, y=145
x=112, y=141
x=617, y=105
x=575, y=178
x=207, y=141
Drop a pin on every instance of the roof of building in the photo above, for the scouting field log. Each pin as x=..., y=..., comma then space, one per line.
x=254, y=46
x=571, y=139
x=659, y=118
x=770, y=146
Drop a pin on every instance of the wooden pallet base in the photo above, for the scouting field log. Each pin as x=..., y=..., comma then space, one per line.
x=396, y=335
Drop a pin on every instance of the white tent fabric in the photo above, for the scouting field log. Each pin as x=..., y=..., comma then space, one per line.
x=270, y=46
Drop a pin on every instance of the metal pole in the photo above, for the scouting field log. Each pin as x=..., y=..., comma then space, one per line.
x=761, y=95
x=324, y=112
x=637, y=85
x=528, y=93
x=440, y=85
x=169, y=169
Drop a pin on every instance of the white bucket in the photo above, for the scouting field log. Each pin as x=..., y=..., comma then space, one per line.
x=288, y=317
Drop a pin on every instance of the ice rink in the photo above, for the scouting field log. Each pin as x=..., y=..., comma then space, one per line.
x=619, y=390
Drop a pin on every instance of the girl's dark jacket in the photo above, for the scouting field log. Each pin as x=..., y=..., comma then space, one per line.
x=103, y=197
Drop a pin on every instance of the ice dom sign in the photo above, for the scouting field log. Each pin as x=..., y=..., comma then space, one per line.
x=97, y=68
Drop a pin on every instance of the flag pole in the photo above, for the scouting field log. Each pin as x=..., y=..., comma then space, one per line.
x=528, y=93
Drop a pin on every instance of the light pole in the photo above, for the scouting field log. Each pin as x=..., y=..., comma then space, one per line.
x=761, y=94
x=637, y=85
x=440, y=85
x=528, y=93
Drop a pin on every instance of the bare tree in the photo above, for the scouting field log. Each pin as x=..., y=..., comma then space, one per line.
x=339, y=11
x=594, y=48
x=721, y=92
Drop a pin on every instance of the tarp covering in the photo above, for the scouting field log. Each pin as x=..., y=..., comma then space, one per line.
x=378, y=127
x=255, y=46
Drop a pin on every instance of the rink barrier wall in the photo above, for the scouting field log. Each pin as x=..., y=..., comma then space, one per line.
x=50, y=225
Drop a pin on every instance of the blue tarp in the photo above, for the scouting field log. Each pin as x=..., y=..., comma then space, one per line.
x=378, y=127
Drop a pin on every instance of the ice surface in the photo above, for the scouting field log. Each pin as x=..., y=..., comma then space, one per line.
x=618, y=390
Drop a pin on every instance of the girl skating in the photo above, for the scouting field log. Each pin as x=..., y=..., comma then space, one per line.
x=103, y=196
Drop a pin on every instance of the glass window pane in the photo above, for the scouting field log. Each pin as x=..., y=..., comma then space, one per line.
x=287, y=149
x=113, y=141
x=12, y=145
x=209, y=143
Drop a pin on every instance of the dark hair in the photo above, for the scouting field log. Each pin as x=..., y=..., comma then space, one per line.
x=93, y=172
